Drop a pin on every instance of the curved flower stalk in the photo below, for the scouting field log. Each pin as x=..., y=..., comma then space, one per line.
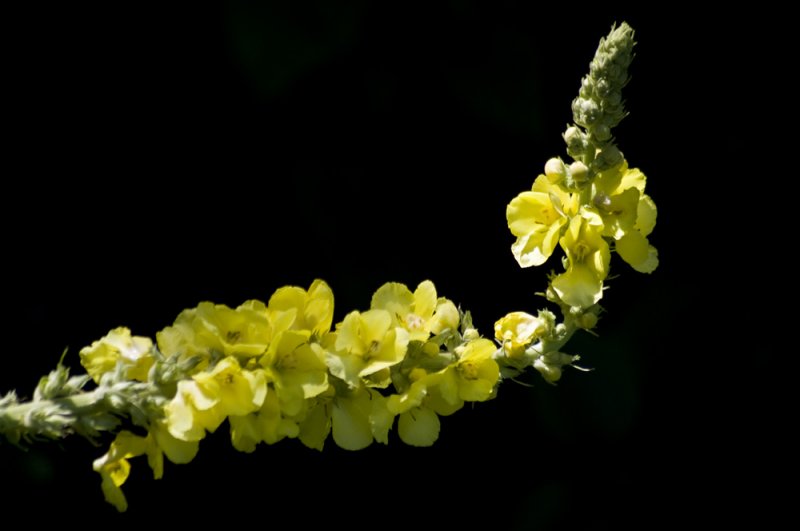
x=283, y=370
x=590, y=207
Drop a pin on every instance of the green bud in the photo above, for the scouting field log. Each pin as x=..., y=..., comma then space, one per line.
x=470, y=334
x=576, y=142
x=608, y=158
x=602, y=132
x=599, y=106
x=579, y=172
x=555, y=170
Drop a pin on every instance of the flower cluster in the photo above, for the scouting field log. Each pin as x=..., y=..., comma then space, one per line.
x=589, y=208
x=612, y=209
x=281, y=370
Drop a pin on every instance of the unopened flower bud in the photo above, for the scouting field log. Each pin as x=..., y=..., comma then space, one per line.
x=588, y=321
x=579, y=172
x=602, y=132
x=470, y=334
x=575, y=140
x=608, y=158
x=555, y=170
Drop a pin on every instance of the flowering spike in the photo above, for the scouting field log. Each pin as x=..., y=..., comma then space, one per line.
x=282, y=369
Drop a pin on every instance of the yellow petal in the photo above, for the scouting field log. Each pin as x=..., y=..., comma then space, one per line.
x=633, y=178
x=425, y=299
x=391, y=351
x=202, y=392
x=448, y=385
x=287, y=297
x=413, y=397
x=181, y=416
x=245, y=432
x=441, y=406
x=393, y=297
x=637, y=251
x=446, y=317
x=345, y=366
x=314, y=429
x=111, y=491
x=319, y=308
x=579, y=286
x=418, y=427
x=646, y=215
x=380, y=418
x=374, y=325
x=351, y=426
x=178, y=451
x=529, y=210
x=349, y=334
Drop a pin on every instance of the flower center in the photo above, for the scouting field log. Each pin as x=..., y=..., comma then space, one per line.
x=373, y=348
x=414, y=321
x=288, y=361
x=581, y=250
x=468, y=370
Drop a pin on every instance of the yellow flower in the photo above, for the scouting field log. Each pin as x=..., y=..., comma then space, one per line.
x=418, y=312
x=473, y=377
x=114, y=467
x=119, y=347
x=296, y=368
x=629, y=215
x=588, y=259
x=366, y=347
x=312, y=310
x=517, y=330
x=419, y=408
x=204, y=401
x=356, y=418
x=245, y=332
x=536, y=218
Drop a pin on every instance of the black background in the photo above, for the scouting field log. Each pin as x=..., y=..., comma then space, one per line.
x=166, y=156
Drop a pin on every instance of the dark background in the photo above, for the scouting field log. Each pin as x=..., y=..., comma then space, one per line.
x=166, y=156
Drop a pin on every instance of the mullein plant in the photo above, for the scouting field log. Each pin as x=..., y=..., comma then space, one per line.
x=282, y=369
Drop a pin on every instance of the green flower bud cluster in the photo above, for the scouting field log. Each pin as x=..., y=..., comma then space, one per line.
x=599, y=106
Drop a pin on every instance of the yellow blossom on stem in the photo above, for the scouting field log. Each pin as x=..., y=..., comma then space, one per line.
x=419, y=408
x=118, y=346
x=629, y=215
x=367, y=345
x=215, y=328
x=296, y=368
x=204, y=401
x=536, y=218
x=114, y=467
x=517, y=330
x=419, y=313
x=312, y=309
x=588, y=259
x=473, y=377
x=356, y=419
